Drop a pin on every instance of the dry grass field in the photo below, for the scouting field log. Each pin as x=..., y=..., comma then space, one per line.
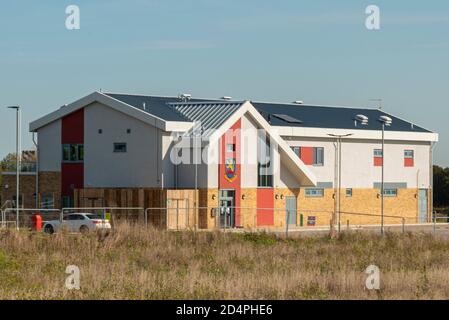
x=136, y=263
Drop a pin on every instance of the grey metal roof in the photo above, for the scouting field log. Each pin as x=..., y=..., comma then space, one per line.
x=155, y=105
x=212, y=113
x=209, y=115
x=330, y=117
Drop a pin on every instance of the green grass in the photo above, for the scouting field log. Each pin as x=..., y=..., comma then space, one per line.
x=139, y=263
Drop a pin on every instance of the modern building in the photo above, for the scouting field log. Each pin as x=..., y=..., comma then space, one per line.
x=252, y=163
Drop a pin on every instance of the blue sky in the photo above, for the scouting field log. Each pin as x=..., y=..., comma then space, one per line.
x=316, y=51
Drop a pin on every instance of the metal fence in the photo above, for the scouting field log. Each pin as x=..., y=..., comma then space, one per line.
x=22, y=218
x=440, y=223
x=115, y=215
x=226, y=218
x=268, y=219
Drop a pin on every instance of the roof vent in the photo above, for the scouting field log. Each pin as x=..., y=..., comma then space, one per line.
x=298, y=102
x=386, y=120
x=144, y=105
x=362, y=119
x=226, y=98
x=185, y=97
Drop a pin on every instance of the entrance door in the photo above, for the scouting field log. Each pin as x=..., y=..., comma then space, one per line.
x=227, y=209
x=290, y=208
x=178, y=214
x=422, y=205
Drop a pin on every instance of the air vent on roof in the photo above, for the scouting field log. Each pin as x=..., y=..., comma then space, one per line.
x=185, y=97
x=361, y=118
x=287, y=118
x=298, y=102
x=386, y=120
x=226, y=98
x=144, y=105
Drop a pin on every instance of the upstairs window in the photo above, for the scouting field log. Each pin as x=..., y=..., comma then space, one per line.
x=409, y=156
x=297, y=150
x=264, y=163
x=378, y=157
x=230, y=147
x=318, y=156
x=310, y=155
x=72, y=153
x=120, y=147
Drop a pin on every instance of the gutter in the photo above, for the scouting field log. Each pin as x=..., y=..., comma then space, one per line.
x=37, y=169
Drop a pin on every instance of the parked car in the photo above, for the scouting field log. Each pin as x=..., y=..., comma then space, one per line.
x=78, y=222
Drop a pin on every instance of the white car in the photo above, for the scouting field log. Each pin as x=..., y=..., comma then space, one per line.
x=78, y=222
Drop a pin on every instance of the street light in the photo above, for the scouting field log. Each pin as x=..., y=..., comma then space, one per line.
x=386, y=121
x=339, y=139
x=18, y=160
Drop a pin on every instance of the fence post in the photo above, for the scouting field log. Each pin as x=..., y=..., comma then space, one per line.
x=434, y=224
x=403, y=225
x=347, y=224
x=146, y=217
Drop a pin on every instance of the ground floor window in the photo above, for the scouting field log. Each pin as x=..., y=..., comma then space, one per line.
x=314, y=192
x=349, y=192
x=14, y=198
x=47, y=202
x=67, y=202
x=390, y=192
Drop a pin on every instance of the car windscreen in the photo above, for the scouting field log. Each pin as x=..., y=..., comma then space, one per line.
x=95, y=216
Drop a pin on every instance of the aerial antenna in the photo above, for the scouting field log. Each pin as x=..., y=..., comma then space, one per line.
x=379, y=101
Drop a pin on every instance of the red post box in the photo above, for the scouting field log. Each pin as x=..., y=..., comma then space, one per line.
x=36, y=224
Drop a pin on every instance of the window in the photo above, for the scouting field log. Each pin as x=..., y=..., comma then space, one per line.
x=14, y=198
x=297, y=150
x=409, y=157
x=100, y=131
x=314, y=192
x=318, y=156
x=66, y=152
x=390, y=192
x=72, y=153
x=74, y=217
x=67, y=202
x=349, y=192
x=310, y=155
x=378, y=158
x=119, y=147
x=264, y=169
x=128, y=131
x=47, y=202
x=230, y=147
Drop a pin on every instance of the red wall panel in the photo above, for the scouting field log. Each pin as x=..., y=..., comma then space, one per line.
x=231, y=136
x=72, y=132
x=408, y=162
x=378, y=161
x=72, y=177
x=307, y=155
x=265, y=200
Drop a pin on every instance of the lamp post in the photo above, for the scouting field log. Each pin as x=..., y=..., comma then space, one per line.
x=339, y=140
x=385, y=121
x=18, y=160
x=195, y=150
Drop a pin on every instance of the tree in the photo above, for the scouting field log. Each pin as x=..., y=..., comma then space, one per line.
x=440, y=186
x=8, y=162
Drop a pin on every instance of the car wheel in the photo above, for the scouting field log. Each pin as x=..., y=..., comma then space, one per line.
x=49, y=229
x=84, y=229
